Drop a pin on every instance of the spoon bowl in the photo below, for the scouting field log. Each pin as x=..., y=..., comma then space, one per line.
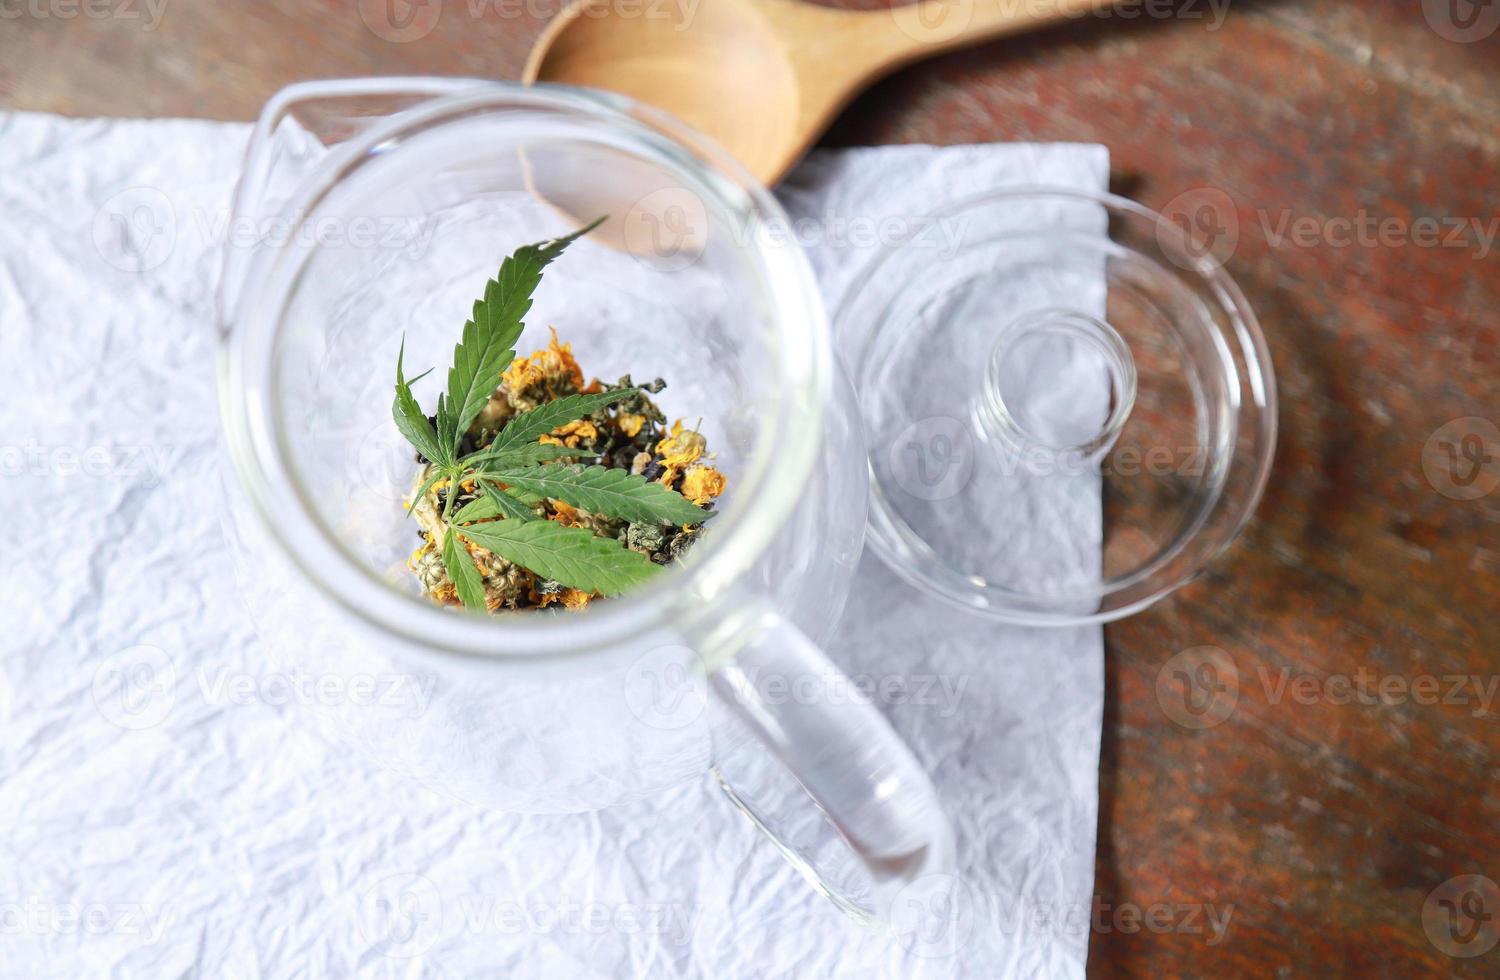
x=764, y=78
x=719, y=67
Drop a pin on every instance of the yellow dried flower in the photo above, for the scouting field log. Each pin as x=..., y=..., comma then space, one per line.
x=552, y=369
x=702, y=484
x=575, y=432
x=680, y=449
x=681, y=446
x=565, y=514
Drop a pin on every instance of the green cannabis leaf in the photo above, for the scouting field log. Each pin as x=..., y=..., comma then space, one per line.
x=495, y=503
x=509, y=503
x=570, y=555
x=521, y=455
x=489, y=338
x=461, y=570
x=416, y=498
x=483, y=508
x=410, y=418
x=516, y=470
x=532, y=425
x=600, y=490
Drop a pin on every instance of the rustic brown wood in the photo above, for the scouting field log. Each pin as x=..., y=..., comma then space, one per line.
x=1325, y=825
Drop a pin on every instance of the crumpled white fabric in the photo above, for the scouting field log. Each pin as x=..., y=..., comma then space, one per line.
x=168, y=812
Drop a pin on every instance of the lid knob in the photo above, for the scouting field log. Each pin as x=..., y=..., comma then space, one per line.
x=1035, y=412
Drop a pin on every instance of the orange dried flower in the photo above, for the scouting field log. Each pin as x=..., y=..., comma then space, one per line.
x=680, y=449
x=545, y=368
x=575, y=432
x=566, y=514
x=702, y=484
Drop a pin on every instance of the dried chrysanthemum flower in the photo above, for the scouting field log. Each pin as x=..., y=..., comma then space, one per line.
x=546, y=374
x=679, y=450
x=702, y=484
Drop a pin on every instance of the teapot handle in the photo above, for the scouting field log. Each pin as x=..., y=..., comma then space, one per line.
x=856, y=781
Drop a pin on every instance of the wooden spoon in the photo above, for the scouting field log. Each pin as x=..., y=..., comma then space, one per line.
x=764, y=77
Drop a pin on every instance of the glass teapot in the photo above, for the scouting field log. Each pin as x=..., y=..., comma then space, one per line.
x=376, y=209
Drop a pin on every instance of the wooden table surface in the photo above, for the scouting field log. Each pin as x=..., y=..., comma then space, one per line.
x=1328, y=821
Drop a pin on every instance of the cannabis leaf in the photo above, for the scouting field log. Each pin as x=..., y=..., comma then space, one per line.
x=517, y=471
x=410, y=418
x=489, y=337
x=532, y=425
x=611, y=492
x=461, y=570
x=494, y=503
x=510, y=503
x=531, y=452
x=479, y=509
x=570, y=555
x=416, y=498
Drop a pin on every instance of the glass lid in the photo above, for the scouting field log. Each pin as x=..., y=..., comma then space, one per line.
x=1067, y=416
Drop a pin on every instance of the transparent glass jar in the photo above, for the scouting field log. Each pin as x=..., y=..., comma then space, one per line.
x=373, y=209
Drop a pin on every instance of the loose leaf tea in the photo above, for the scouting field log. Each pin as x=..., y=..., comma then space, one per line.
x=510, y=515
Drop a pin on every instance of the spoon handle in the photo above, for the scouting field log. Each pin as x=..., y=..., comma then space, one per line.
x=919, y=30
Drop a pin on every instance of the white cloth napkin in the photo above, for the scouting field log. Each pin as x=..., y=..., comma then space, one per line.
x=197, y=827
